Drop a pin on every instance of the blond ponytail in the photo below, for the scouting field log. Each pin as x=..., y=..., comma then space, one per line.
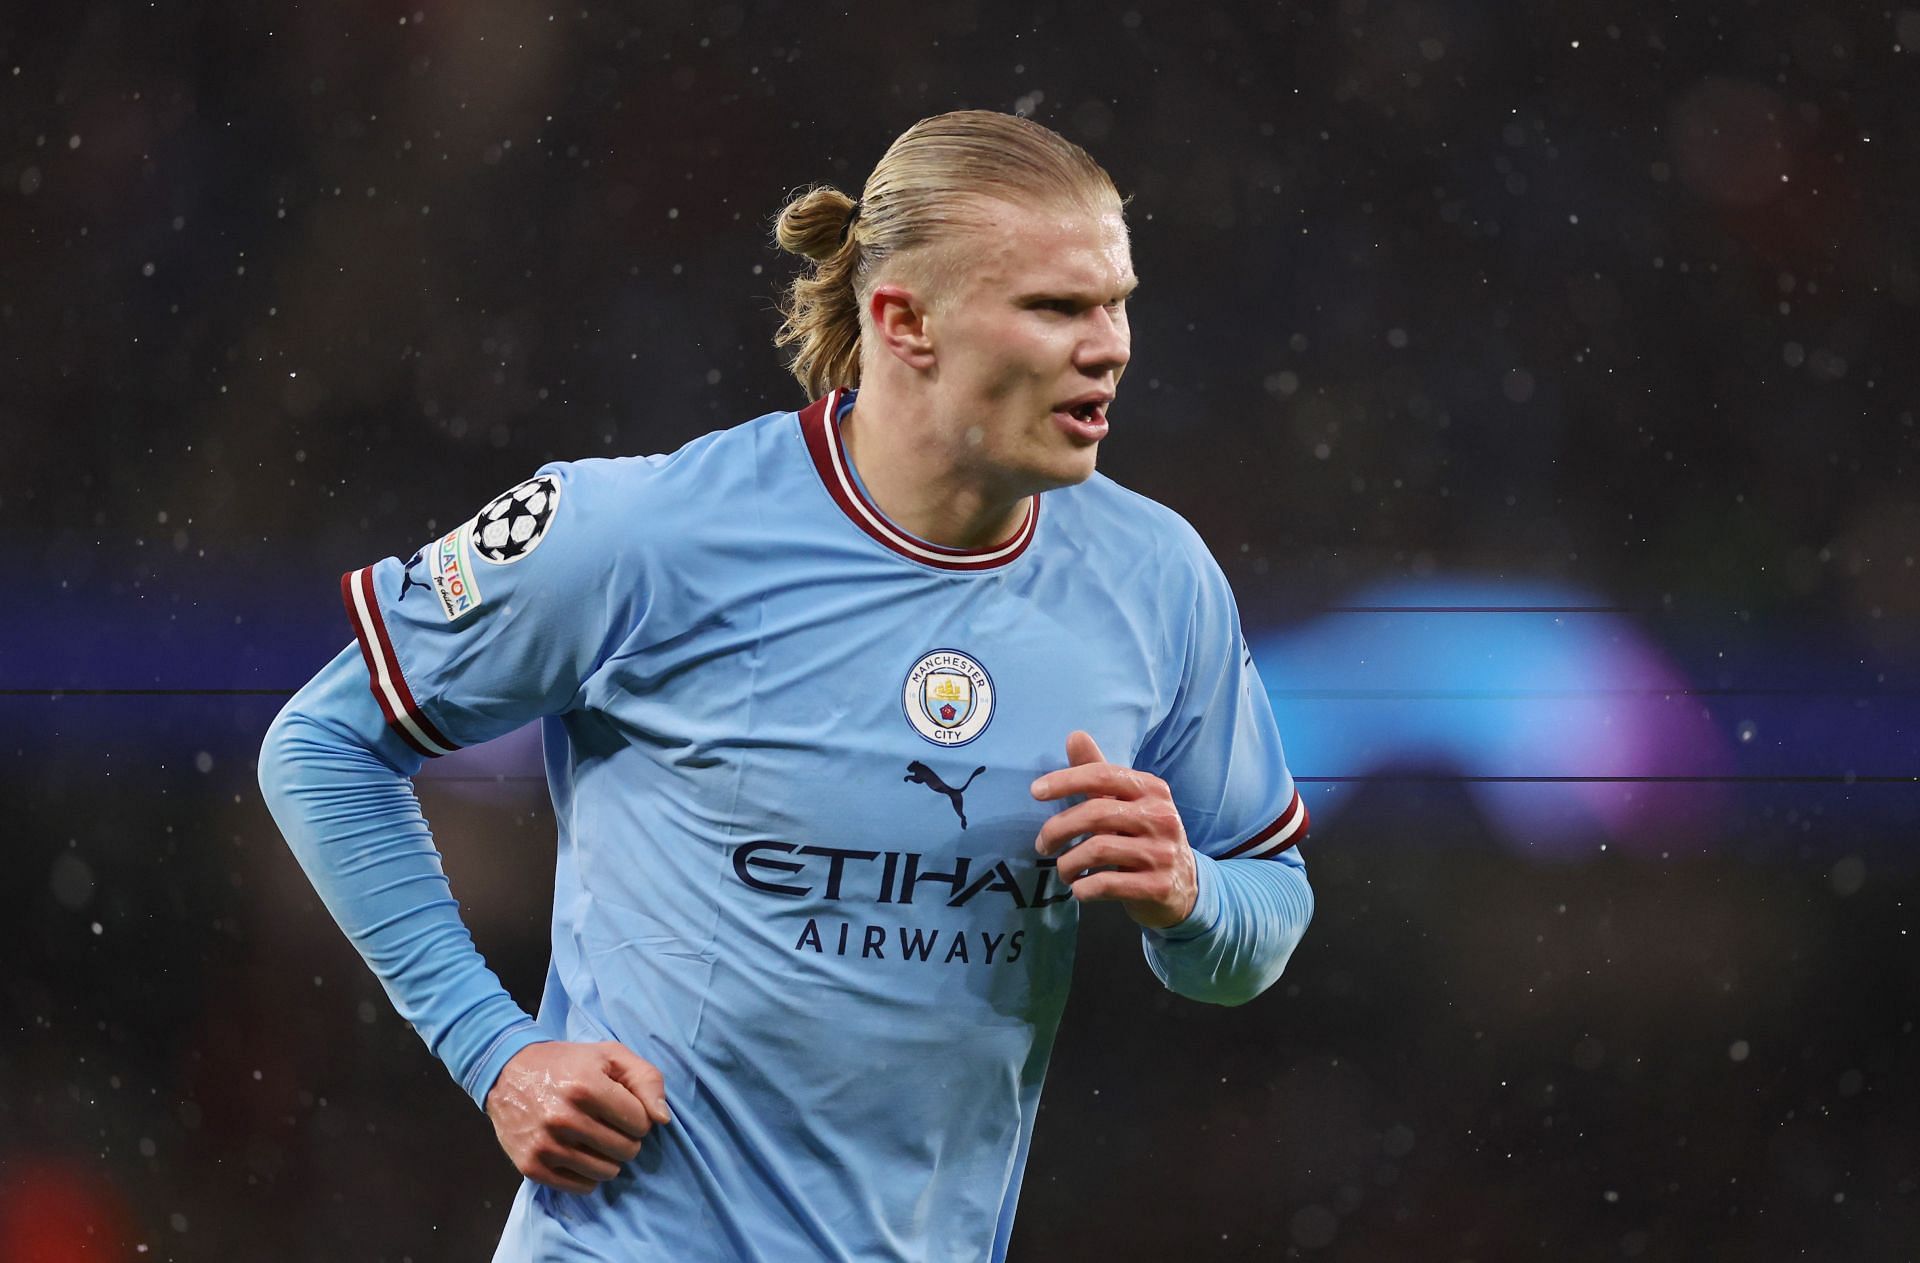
x=929, y=183
x=822, y=305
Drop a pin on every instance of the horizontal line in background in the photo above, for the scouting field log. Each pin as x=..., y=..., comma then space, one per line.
x=155, y=692
x=1488, y=609
x=1745, y=615
x=1414, y=778
x=1526, y=695
x=1354, y=695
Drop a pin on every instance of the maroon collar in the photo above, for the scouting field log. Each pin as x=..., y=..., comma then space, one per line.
x=820, y=425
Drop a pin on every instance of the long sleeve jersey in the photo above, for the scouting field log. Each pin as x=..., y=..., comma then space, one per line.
x=789, y=747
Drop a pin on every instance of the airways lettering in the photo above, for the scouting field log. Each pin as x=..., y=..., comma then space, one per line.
x=916, y=944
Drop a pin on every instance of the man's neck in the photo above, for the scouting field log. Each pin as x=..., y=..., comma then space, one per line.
x=908, y=464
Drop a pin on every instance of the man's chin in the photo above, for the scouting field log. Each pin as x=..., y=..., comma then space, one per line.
x=1068, y=470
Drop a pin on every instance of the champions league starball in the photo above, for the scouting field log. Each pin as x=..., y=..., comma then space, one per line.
x=512, y=524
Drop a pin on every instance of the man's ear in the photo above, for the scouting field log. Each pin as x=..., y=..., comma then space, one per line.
x=900, y=325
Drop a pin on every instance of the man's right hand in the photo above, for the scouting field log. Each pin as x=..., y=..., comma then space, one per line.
x=570, y=1115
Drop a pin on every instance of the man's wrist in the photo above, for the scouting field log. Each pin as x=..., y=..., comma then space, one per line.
x=1205, y=913
x=485, y=1072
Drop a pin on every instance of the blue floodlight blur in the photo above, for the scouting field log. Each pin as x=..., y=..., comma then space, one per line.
x=1486, y=678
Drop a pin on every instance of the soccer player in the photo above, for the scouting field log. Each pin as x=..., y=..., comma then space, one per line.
x=847, y=713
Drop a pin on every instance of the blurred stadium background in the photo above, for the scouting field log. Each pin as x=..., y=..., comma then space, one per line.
x=1544, y=378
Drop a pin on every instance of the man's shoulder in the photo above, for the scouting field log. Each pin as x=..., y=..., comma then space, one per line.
x=659, y=509
x=1128, y=528
x=701, y=476
x=734, y=453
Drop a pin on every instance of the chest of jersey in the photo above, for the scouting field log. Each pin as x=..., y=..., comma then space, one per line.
x=863, y=736
x=880, y=710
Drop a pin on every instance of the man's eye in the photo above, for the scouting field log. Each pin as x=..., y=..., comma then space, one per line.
x=1065, y=306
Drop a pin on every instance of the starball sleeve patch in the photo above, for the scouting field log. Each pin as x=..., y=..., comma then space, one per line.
x=513, y=524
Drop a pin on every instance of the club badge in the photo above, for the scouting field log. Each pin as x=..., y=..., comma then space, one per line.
x=948, y=698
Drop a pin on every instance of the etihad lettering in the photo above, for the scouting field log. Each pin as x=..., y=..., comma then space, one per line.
x=903, y=877
x=911, y=879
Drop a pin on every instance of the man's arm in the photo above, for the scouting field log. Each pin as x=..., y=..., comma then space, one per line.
x=1248, y=918
x=337, y=781
x=1214, y=930
x=338, y=786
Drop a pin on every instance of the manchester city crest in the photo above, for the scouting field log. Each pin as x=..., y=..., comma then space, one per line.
x=948, y=697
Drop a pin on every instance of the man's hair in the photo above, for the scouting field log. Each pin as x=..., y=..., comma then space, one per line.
x=930, y=182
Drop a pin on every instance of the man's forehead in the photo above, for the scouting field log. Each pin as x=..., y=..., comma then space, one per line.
x=1063, y=245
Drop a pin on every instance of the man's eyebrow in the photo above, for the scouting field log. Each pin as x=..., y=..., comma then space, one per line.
x=1045, y=293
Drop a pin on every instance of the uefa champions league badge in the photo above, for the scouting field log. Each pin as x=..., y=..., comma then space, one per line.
x=513, y=524
x=948, y=698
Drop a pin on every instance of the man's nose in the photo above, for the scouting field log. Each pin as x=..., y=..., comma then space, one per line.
x=1108, y=347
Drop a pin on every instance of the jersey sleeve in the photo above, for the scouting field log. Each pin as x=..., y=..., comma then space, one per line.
x=1218, y=747
x=336, y=782
x=502, y=619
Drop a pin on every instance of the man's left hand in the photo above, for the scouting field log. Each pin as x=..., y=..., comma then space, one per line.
x=1136, y=850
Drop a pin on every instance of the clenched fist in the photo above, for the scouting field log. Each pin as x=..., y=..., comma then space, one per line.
x=571, y=1115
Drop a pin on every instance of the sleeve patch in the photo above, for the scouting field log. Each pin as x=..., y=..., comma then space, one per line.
x=454, y=579
x=513, y=524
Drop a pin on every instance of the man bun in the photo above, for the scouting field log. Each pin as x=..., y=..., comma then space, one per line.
x=814, y=224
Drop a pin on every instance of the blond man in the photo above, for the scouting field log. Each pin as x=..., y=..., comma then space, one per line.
x=849, y=711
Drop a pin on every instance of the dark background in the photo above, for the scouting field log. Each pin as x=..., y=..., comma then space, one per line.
x=1603, y=316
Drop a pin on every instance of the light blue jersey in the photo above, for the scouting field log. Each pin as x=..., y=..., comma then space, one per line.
x=790, y=750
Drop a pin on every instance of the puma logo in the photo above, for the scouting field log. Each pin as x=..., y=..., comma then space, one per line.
x=406, y=576
x=920, y=774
